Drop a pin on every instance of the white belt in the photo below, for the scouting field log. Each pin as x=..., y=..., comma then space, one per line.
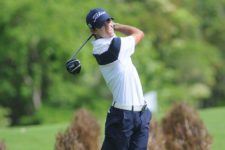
x=131, y=108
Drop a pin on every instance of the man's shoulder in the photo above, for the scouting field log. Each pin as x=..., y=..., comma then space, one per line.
x=100, y=45
x=110, y=54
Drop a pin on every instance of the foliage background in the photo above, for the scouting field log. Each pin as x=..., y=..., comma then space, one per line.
x=181, y=57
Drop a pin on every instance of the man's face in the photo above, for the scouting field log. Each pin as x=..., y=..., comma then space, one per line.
x=106, y=31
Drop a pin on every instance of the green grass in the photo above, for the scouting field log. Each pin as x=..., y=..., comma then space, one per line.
x=31, y=138
x=215, y=123
x=43, y=137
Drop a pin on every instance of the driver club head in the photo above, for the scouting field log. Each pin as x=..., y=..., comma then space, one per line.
x=73, y=66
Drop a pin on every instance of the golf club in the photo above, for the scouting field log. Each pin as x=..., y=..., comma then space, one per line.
x=73, y=65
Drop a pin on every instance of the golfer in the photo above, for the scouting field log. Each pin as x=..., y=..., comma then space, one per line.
x=127, y=122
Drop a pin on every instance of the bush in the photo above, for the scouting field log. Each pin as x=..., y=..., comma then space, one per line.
x=82, y=134
x=156, y=138
x=2, y=145
x=184, y=130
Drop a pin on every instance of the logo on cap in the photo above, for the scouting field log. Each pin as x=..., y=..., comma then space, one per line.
x=97, y=15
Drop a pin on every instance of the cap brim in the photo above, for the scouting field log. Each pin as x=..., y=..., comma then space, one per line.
x=102, y=20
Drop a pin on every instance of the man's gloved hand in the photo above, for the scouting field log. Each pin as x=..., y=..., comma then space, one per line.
x=73, y=66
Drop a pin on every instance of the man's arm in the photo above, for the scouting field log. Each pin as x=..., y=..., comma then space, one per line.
x=130, y=30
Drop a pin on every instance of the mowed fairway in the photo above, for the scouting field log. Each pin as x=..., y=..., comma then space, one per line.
x=31, y=138
x=215, y=122
x=43, y=137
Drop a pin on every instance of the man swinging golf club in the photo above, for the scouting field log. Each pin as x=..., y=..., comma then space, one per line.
x=127, y=122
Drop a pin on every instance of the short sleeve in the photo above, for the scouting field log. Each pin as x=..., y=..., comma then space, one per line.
x=127, y=47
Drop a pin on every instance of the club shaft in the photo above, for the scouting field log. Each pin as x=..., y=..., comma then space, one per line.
x=75, y=53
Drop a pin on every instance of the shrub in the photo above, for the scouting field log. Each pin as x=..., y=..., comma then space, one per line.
x=2, y=145
x=184, y=130
x=82, y=134
x=156, y=139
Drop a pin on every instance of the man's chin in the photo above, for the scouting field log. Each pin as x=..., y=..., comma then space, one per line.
x=112, y=34
x=108, y=35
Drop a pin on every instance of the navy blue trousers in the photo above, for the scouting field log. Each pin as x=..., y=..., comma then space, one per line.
x=126, y=130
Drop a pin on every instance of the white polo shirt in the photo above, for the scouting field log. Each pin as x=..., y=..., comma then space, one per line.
x=118, y=70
